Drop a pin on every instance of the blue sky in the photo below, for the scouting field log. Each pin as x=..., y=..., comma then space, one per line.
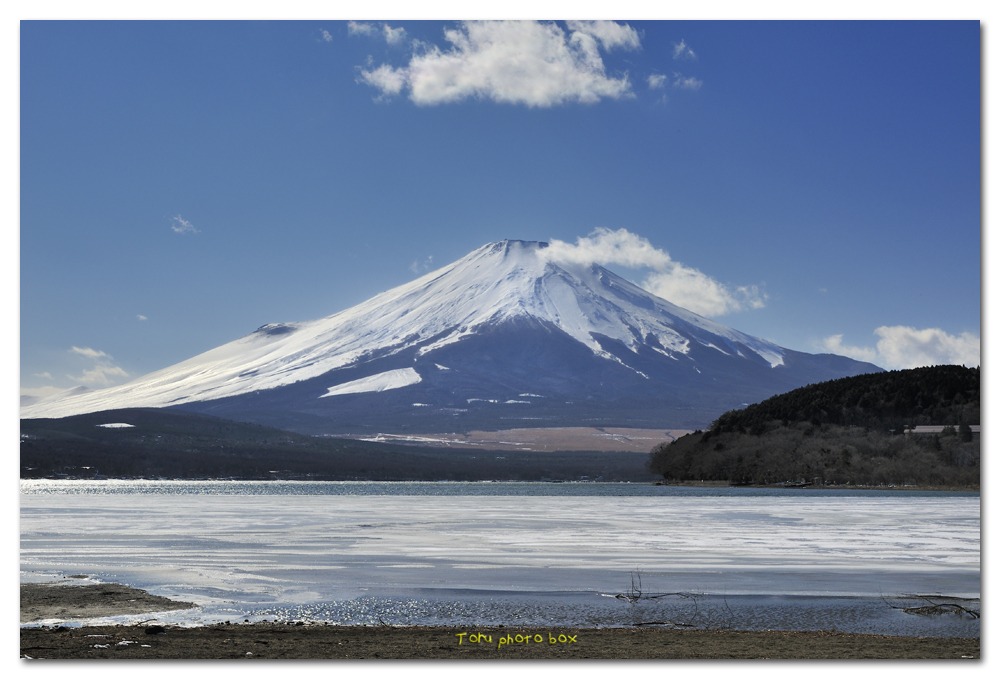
x=182, y=183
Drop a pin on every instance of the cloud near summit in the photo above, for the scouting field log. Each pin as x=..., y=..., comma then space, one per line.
x=669, y=279
x=532, y=63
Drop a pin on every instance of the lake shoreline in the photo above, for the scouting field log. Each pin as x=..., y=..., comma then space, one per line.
x=652, y=482
x=810, y=486
x=265, y=640
x=300, y=640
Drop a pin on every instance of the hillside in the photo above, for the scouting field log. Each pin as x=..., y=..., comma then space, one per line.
x=842, y=432
x=166, y=444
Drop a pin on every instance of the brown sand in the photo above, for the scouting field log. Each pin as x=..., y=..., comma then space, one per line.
x=67, y=601
x=318, y=641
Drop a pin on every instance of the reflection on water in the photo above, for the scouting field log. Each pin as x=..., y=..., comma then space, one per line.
x=576, y=610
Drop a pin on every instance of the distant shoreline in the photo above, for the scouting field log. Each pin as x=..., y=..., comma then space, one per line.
x=779, y=486
x=298, y=640
x=659, y=483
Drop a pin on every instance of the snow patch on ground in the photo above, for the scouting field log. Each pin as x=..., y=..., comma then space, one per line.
x=116, y=425
x=386, y=381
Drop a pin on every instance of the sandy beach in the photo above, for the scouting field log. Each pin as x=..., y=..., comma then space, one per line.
x=151, y=640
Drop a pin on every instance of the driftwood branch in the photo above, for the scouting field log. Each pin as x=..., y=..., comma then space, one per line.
x=635, y=593
x=936, y=605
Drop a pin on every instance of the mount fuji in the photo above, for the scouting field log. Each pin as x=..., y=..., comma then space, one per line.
x=505, y=337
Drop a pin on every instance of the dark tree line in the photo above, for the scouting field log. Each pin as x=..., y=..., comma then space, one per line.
x=170, y=444
x=847, y=431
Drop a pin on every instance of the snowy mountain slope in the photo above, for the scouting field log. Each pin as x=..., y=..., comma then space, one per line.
x=503, y=321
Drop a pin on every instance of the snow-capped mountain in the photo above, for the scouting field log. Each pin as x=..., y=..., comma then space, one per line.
x=503, y=337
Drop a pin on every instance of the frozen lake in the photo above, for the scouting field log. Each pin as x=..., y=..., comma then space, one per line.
x=506, y=553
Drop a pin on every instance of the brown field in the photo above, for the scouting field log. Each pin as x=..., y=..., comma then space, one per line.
x=567, y=439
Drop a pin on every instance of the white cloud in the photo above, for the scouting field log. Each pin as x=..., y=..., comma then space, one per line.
x=386, y=79
x=682, y=82
x=88, y=352
x=657, y=81
x=102, y=371
x=360, y=28
x=680, y=284
x=683, y=52
x=532, y=63
x=101, y=375
x=900, y=347
x=325, y=35
x=43, y=375
x=140, y=317
x=182, y=225
x=393, y=36
x=419, y=266
x=696, y=291
x=606, y=247
x=753, y=296
x=610, y=34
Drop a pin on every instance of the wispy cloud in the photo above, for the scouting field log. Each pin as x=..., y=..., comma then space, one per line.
x=900, y=347
x=388, y=80
x=683, y=82
x=101, y=369
x=610, y=34
x=531, y=63
x=141, y=318
x=101, y=375
x=696, y=291
x=393, y=36
x=682, y=285
x=421, y=265
x=88, y=352
x=360, y=28
x=683, y=52
x=181, y=225
x=656, y=81
x=325, y=35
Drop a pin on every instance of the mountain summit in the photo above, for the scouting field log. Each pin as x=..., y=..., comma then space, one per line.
x=506, y=336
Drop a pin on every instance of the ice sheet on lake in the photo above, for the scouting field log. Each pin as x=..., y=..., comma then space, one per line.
x=230, y=552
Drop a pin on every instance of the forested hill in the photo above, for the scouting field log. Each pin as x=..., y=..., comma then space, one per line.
x=944, y=395
x=843, y=432
x=153, y=443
